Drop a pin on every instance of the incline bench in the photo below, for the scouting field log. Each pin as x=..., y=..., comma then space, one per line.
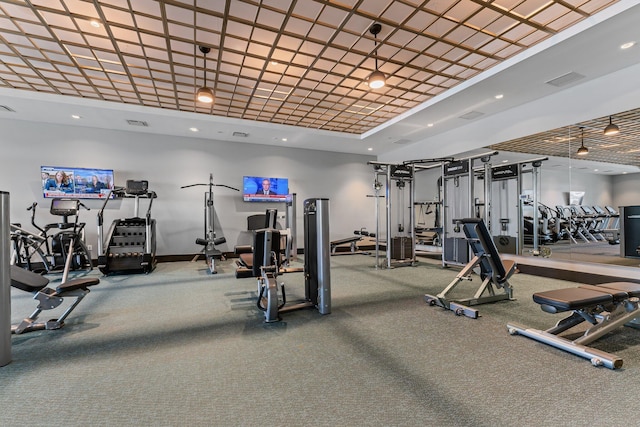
x=495, y=272
x=47, y=298
x=606, y=306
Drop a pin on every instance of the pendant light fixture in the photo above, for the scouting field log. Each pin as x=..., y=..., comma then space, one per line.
x=377, y=79
x=205, y=94
x=582, y=150
x=611, y=129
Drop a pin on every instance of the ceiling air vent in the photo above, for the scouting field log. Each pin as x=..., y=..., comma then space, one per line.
x=565, y=79
x=402, y=141
x=241, y=134
x=5, y=108
x=471, y=115
x=138, y=123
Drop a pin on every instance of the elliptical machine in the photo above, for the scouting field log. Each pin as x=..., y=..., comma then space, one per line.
x=209, y=242
x=317, y=274
x=58, y=246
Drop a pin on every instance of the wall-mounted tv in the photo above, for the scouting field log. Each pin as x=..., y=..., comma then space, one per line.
x=265, y=189
x=81, y=183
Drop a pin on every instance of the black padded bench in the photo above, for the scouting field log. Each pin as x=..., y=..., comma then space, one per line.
x=494, y=272
x=47, y=298
x=351, y=241
x=606, y=307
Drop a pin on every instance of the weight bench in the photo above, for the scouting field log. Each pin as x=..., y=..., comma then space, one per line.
x=606, y=307
x=47, y=298
x=494, y=272
x=358, y=235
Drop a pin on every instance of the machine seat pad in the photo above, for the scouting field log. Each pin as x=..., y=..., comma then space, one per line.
x=243, y=249
x=246, y=260
x=74, y=284
x=632, y=289
x=26, y=280
x=572, y=298
x=509, y=268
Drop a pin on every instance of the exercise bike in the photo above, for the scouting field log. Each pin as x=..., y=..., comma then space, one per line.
x=52, y=249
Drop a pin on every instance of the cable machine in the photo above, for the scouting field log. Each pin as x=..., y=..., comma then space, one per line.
x=428, y=207
x=398, y=185
x=460, y=201
x=508, y=198
x=209, y=242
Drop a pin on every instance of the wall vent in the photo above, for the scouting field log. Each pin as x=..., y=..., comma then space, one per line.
x=138, y=123
x=402, y=141
x=241, y=134
x=565, y=79
x=471, y=115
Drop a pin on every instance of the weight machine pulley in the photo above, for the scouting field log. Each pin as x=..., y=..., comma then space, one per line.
x=209, y=242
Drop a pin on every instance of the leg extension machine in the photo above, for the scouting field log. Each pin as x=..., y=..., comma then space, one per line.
x=316, y=268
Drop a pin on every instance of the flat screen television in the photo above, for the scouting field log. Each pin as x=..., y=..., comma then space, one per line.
x=81, y=183
x=265, y=189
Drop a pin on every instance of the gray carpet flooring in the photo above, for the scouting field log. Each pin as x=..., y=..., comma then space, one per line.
x=181, y=347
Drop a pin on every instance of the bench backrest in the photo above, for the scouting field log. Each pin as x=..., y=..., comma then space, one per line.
x=483, y=246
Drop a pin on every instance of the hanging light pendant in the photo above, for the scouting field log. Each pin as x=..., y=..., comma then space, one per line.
x=611, y=129
x=377, y=79
x=582, y=150
x=205, y=94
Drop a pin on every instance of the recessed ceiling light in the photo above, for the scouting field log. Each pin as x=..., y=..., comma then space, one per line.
x=75, y=116
x=95, y=23
x=284, y=139
x=370, y=149
x=194, y=129
x=430, y=125
x=627, y=45
x=499, y=96
x=505, y=161
x=273, y=62
x=595, y=170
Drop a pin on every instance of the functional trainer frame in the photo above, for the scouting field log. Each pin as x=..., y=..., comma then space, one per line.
x=495, y=272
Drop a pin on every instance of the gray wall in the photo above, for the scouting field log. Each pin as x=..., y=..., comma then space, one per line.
x=625, y=190
x=170, y=162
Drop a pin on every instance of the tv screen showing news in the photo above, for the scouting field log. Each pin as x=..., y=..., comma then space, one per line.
x=80, y=183
x=265, y=189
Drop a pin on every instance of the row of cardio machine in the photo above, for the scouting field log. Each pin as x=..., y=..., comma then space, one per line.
x=579, y=223
x=129, y=246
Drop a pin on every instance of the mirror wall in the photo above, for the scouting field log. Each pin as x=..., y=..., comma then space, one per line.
x=589, y=179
